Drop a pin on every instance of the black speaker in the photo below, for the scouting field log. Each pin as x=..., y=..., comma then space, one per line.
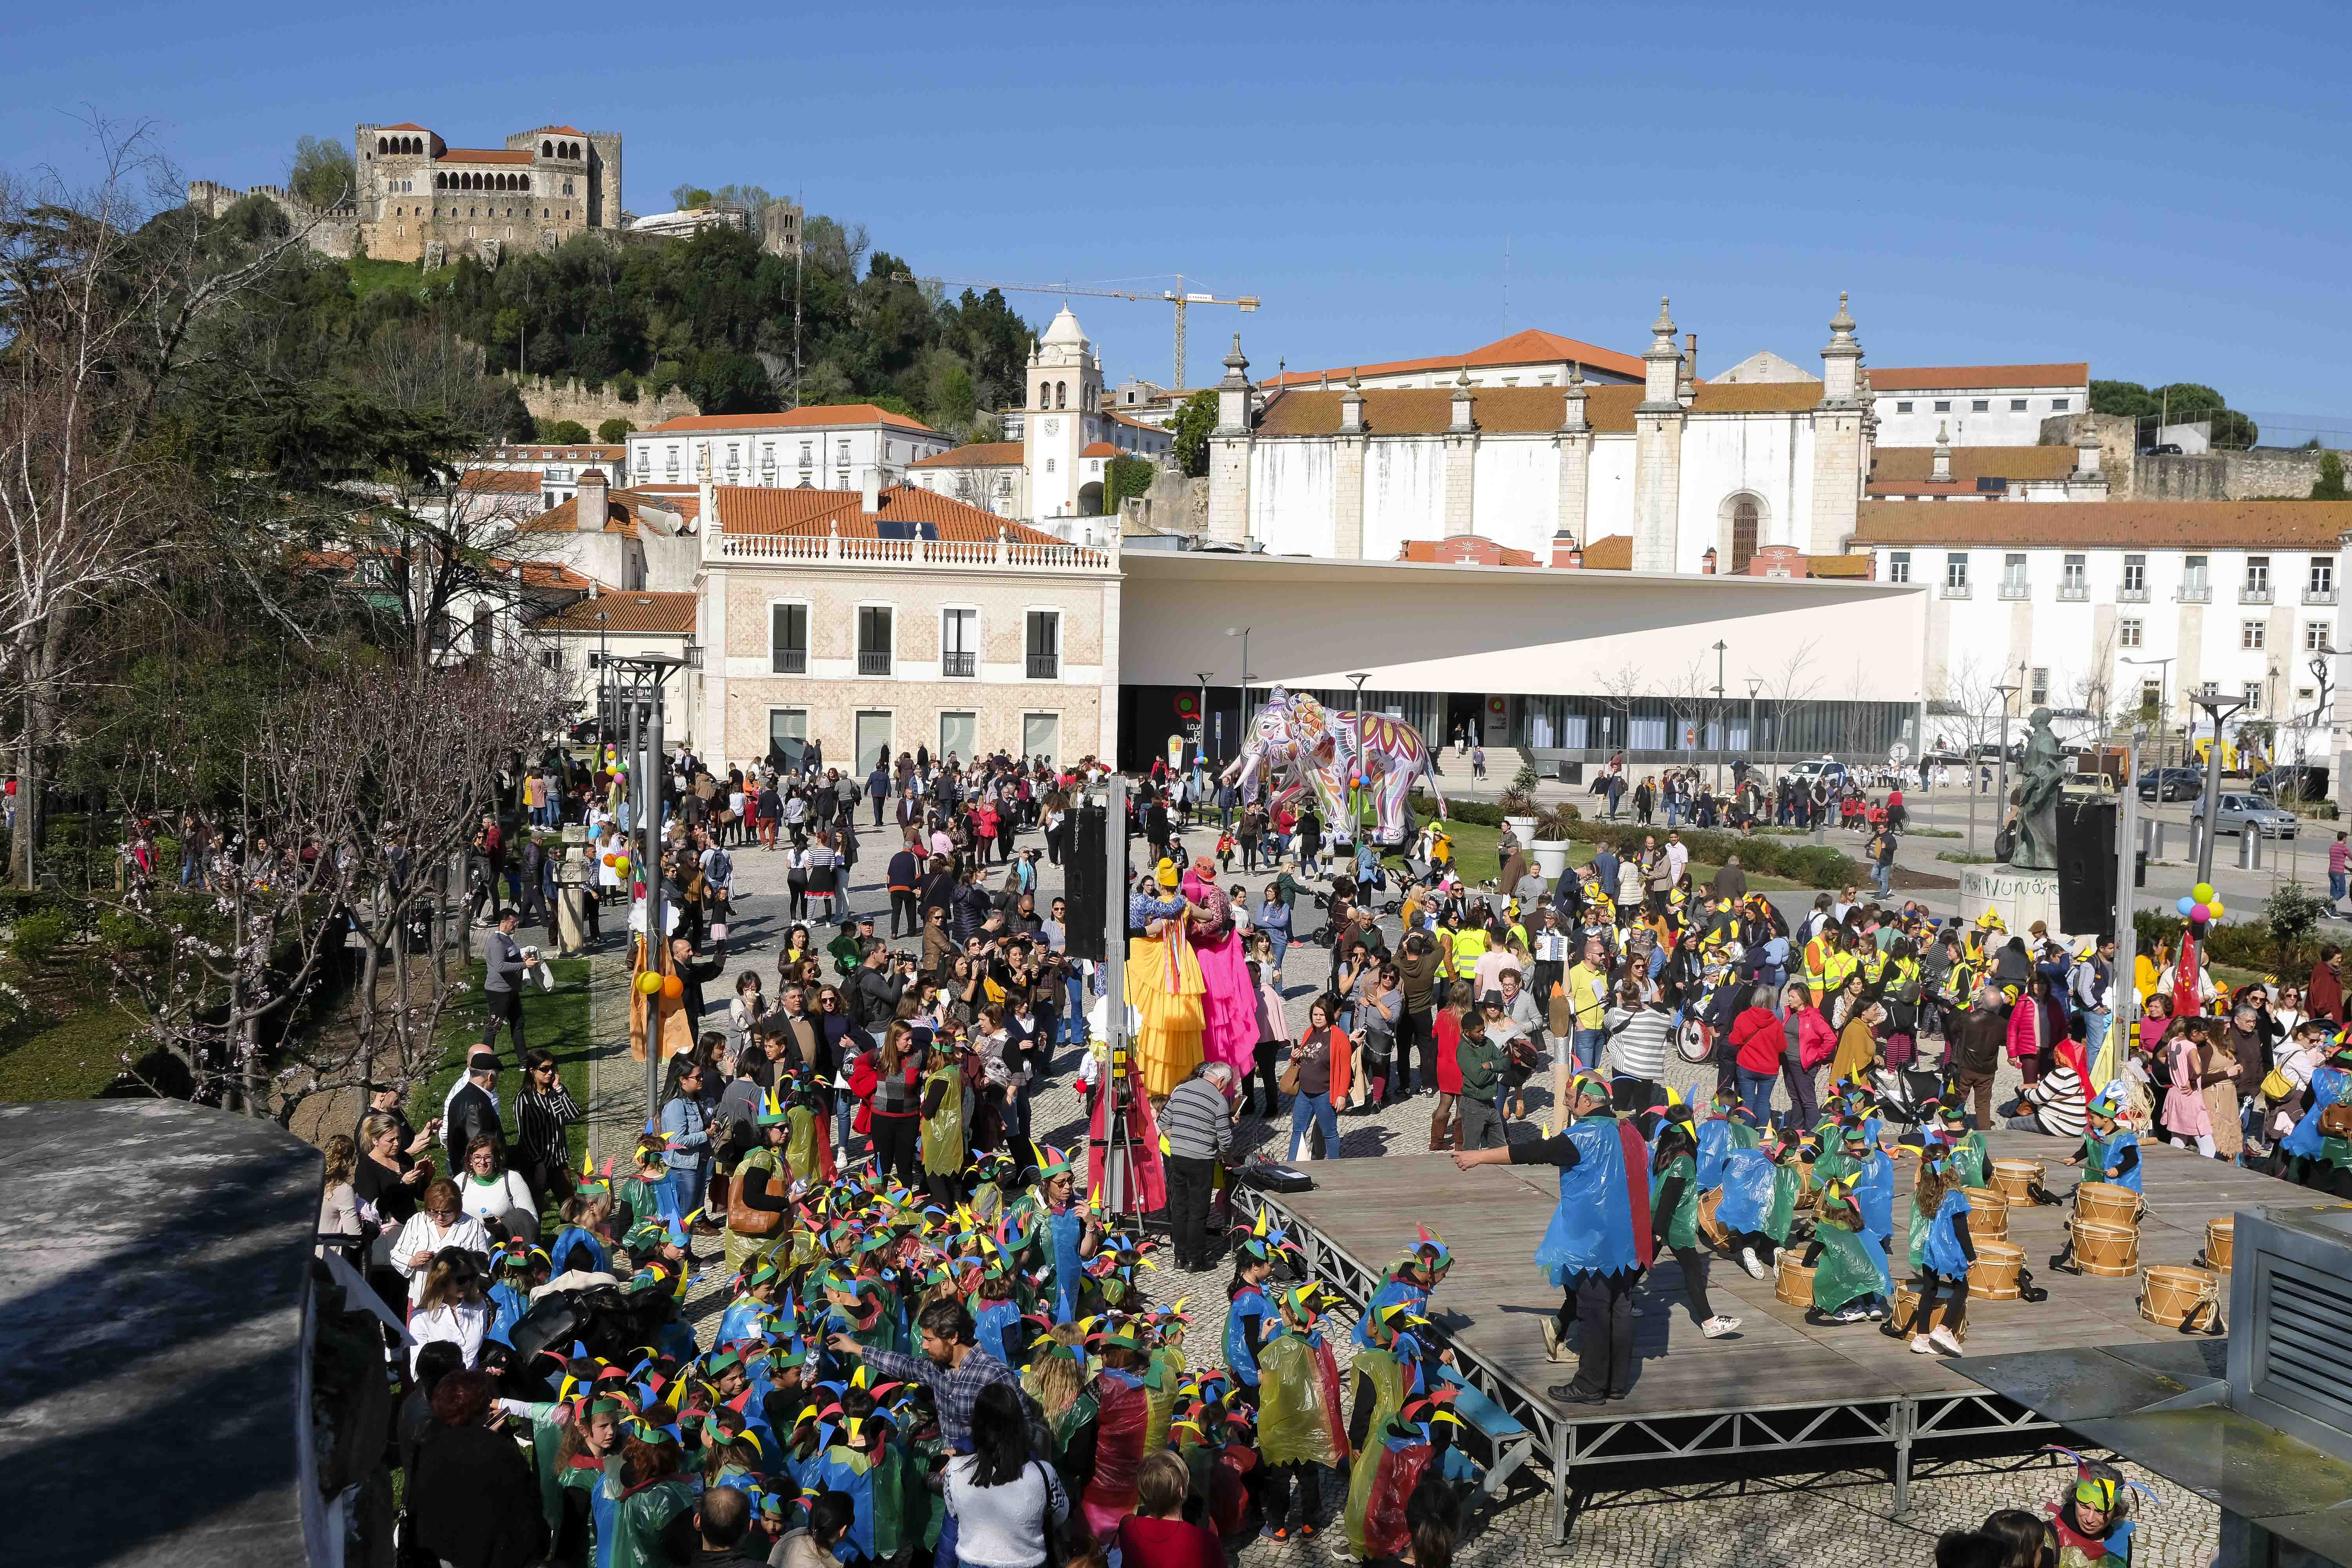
x=2086, y=865
x=1084, y=878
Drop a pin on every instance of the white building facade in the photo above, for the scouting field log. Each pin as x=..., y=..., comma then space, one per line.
x=834, y=447
x=1975, y=404
x=2116, y=608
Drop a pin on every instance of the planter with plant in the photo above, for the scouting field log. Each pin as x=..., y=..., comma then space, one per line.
x=1549, y=847
x=1518, y=809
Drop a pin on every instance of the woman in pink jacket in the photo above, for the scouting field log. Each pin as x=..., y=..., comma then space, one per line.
x=1810, y=1044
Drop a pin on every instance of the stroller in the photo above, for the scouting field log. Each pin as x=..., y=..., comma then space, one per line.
x=1902, y=1093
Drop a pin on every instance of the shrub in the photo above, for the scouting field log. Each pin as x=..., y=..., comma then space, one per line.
x=625, y=386
x=2294, y=912
x=614, y=431
x=1474, y=811
x=1559, y=822
x=1524, y=782
x=39, y=935
x=1517, y=801
x=2244, y=945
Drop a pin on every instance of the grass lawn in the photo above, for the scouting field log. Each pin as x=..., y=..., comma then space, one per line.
x=553, y=1021
x=76, y=1059
x=371, y=277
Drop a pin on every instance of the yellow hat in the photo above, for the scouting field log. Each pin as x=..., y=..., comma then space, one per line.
x=1167, y=873
x=1990, y=920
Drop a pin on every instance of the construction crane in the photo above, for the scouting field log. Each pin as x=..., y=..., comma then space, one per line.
x=1177, y=297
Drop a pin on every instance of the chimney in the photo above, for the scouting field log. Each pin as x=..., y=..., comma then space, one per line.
x=1565, y=553
x=2086, y=448
x=1941, y=474
x=594, y=508
x=1690, y=355
x=870, y=491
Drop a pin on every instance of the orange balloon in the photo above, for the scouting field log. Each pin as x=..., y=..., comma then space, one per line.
x=673, y=988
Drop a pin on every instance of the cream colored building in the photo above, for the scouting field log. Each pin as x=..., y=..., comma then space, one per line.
x=880, y=621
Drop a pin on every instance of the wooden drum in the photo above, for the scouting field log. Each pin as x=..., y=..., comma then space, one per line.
x=2105, y=1203
x=2110, y=1251
x=1994, y=1276
x=2220, y=1237
x=1903, y=1314
x=1988, y=1214
x=2017, y=1179
x=2172, y=1296
x=1710, y=1230
x=1794, y=1284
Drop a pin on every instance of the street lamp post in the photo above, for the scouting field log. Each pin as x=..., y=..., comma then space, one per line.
x=2217, y=709
x=1719, y=646
x=2163, y=683
x=1243, y=633
x=2000, y=775
x=1355, y=764
x=1203, y=675
x=1755, y=685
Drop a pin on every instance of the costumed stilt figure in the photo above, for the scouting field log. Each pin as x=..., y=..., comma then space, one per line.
x=1130, y=1125
x=1164, y=985
x=1228, y=1002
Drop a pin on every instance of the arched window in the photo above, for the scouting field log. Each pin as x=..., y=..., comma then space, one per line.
x=1044, y=394
x=525, y=180
x=1743, y=534
x=1061, y=395
x=440, y=182
x=547, y=149
x=380, y=145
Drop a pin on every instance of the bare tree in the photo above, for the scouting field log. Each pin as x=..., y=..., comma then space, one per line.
x=1791, y=685
x=286, y=975
x=1620, y=689
x=99, y=298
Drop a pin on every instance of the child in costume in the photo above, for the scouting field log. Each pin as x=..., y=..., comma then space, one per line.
x=1411, y=1281
x=1759, y=1204
x=1946, y=1251
x=1298, y=1423
x=2092, y=1522
x=647, y=1492
x=2109, y=1154
x=510, y=1296
x=1849, y=1263
x=1674, y=1220
x=753, y=1307
x=2312, y=1157
x=1249, y=1316
x=584, y=1513
x=1121, y=1417
x=942, y=1131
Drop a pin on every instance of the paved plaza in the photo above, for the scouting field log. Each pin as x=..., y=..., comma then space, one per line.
x=1697, y=1516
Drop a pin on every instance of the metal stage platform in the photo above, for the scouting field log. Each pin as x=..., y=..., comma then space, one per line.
x=1781, y=1385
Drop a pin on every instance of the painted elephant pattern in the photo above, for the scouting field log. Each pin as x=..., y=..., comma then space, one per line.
x=1295, y=747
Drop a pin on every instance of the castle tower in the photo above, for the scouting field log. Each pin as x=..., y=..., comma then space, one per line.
x=1065, y=392
x=1658, y=422
x=1840, y=454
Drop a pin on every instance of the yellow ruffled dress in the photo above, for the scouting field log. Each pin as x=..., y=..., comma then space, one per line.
x=1165, y=988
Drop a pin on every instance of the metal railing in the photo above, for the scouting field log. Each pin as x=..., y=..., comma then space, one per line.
x=2073, y=591
x=1956, y=590
x=2250, y=594
x=965, y=664
x=790, y=661
x=1045, y=667
x=2195, y=593
x=2131, y=596
x=873, y=663
x=2319, y=595
x=2015, y=590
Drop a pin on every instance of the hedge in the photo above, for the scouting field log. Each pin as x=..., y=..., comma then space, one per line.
x=2245, y=945
x=1813, y=865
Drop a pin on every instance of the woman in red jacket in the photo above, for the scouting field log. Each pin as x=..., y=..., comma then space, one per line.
x=888, y=1081
x=1756, y=1041
x=1444, y=1124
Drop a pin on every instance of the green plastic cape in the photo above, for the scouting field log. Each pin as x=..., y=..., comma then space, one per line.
x=1293, y=1427
x=943, y=1134
x=1845, y=1271
x=1388, y=1398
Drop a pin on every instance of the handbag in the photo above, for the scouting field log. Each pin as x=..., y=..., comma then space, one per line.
x=2336, y=1121
x=744, y=1220
x=2277, y=1088
x=1288, y=1082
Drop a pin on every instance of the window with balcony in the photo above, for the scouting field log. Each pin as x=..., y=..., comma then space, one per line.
x=788, y=639
x=2135, y=582
x=2251, y=635
x=960, y=643
x=2193, y=587
x=2257, y=588
x=2319, y=586
x=2127, y=633
x=874, y=628
x=2074, y=578
x=1955, y=574
x=808, y=454
x=2012, y=576
x=1044, y=645
x=1898, y=566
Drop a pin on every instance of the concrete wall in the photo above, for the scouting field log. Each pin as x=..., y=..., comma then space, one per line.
x=1532, y=631
x=2266, y=472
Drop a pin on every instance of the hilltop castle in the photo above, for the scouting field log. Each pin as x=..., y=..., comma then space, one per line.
x=420, y=199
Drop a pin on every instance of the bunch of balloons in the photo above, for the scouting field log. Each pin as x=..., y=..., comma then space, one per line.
x=669, y=985
x=619, y=863
x=2200, y=904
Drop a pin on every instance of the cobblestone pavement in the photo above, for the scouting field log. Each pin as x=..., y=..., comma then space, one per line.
x=1711, y=1517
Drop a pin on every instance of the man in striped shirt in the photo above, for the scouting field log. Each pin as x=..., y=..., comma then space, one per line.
x=1196, y=1124
x=1638, y=1031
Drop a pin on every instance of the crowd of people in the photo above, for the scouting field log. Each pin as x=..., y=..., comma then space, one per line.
x=941, y=1336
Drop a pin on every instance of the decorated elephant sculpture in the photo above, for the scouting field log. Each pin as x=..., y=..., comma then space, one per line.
x=1295, y=746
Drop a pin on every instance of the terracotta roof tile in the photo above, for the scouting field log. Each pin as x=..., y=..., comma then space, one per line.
x=1515, y=410
x=404, y=126
x=746, y=509
x=974, y=455
x=1529, y=347
x=1907, y=467
x=2161, y=525
x=1100, y=450
x=500, y=482
x=485, y=156
x=1118, y=419
x=629, y=612
x=819, y=415
x=1614, y=552
x=1976, y=377
x=1838, y=565
x=1465, y=549
x=621, y=511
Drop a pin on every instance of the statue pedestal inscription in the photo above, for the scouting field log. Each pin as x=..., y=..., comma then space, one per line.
x=2019, y=898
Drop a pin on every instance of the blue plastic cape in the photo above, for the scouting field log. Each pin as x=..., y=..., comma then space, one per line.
x=2329, y=1086
x=1942, y=1252
x=1388, y=1295
x=2103, y=1151
x=1874, y=1194
x=1593, y=1229
x=1239, y=1360
x=1069, y=1269
x=1714, y=1143
x=988, y=1326
x=1747, y=1179
x=506, y=1306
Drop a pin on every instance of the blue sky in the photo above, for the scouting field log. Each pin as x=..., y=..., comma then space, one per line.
x=2155, y=188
